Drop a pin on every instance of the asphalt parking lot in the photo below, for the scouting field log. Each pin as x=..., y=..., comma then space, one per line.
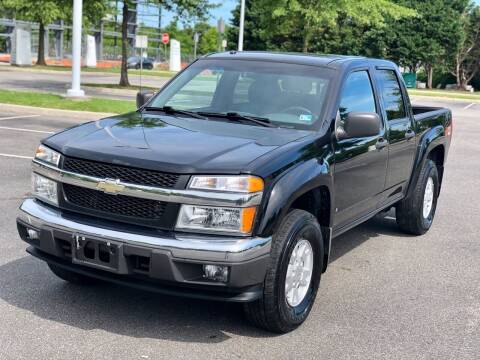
x=385, y=296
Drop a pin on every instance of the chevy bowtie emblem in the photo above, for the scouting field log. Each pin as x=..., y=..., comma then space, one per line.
x=110, y=186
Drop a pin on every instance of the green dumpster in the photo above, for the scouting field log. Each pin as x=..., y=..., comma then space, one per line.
x=410, y=80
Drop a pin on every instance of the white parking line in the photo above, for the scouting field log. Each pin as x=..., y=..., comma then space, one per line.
x=19, y=117
x=16, y=156
x=469, y=106
x=26, y=130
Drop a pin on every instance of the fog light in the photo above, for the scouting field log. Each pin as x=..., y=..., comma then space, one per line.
x=32, y=234
x=216, y=272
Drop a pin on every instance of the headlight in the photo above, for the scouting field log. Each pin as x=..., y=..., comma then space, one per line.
x=44, y=189
x=243, y=183
x=47, y=155
x=216, y=219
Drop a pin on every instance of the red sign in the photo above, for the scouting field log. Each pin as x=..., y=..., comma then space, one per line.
x=165, y=38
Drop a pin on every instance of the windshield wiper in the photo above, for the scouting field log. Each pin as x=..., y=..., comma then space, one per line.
x=172, y=111
x=234, y=115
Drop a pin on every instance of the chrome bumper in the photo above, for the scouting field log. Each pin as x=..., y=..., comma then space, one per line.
x=188, y=247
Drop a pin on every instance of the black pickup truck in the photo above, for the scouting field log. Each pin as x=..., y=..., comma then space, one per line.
x=232, y=181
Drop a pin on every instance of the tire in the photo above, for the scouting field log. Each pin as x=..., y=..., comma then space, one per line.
x=72, y=277
x=410, y=212
x=273, y=312
x=137, y=67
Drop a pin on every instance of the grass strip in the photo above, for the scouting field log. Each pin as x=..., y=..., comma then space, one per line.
x=451, y=94
x=54, y=101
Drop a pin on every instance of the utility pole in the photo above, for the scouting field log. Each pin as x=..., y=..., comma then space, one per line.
x=75, y=91
x=242, y=25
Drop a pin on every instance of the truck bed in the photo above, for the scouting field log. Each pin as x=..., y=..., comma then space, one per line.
x=423, y=112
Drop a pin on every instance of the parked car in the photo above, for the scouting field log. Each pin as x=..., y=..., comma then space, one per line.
x=233, y=180
x=135, y=63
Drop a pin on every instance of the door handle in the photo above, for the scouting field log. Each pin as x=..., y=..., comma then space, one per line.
x=381, y=143
x=409, y=134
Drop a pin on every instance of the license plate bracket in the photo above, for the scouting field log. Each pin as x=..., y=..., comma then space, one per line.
x=97, y=253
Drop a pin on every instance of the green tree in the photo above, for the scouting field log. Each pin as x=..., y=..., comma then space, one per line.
x=209, y=38
x=467, y=59
x=257, y=17
x=310, y=25
x=320, y=14
x=430, y=39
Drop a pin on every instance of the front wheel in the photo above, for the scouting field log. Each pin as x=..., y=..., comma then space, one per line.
x=416, y=212
x=293, y=275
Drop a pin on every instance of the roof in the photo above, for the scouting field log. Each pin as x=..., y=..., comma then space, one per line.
x=295, y=58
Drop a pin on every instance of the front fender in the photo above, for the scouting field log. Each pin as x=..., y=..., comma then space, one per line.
x=300, y=179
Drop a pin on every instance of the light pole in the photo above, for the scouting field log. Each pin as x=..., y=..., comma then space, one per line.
x=75, y=91
x=242, y=25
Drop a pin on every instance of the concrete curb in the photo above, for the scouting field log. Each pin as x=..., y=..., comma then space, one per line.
x=111, y=91
x=82, y=115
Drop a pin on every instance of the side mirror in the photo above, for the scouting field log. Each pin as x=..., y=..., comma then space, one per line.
x=143, y=97
x=358, y=125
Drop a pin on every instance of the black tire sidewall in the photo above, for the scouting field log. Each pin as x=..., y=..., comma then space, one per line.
x=431, y=172
x=302, y=228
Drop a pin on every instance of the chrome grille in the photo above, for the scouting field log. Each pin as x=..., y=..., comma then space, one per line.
x=120, y=205
x=124, y=173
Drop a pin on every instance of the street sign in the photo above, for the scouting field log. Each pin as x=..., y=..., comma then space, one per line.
x=224, y=44
x=165, y=38
x=141, y=41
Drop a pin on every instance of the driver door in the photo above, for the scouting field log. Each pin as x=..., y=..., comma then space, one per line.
x=360, y=163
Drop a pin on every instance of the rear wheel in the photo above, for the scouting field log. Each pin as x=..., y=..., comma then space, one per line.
x=71, y=277
x=293, y=276
x=416, y=212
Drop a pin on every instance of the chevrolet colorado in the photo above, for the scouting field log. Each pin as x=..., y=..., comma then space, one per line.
x=232, y=181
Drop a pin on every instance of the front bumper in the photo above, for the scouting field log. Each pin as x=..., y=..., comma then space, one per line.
x=154, y=260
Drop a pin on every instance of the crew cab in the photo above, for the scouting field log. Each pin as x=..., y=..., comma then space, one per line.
x=233, y=180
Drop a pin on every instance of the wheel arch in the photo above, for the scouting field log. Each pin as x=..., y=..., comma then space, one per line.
x=431, y=143
x=437, y=155
x=305, y=187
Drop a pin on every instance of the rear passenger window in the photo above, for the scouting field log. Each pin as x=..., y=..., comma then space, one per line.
x=357, y=95
x=391, y=94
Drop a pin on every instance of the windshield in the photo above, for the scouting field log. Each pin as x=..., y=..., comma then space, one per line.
x=288, y=95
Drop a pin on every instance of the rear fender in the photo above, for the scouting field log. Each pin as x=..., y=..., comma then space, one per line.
x=429, y=140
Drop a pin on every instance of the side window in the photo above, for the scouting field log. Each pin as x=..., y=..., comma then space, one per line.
x=198, y=92
x=357, y=94
x=391, y=94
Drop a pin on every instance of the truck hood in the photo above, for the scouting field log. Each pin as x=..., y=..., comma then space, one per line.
x=172, y=144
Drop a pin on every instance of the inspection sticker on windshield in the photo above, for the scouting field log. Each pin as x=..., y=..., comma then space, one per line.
x=305, y=118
